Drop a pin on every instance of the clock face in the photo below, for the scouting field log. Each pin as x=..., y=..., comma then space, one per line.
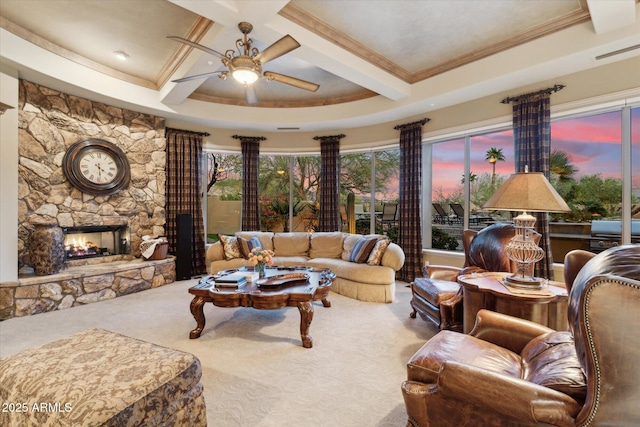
x=98, y=166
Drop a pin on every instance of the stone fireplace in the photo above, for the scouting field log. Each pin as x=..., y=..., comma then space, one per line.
x=96, y=241
x=49, y=122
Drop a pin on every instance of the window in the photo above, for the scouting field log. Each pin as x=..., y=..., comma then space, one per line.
x=492, y=159
x=585, y=170
x=274, y=194
x=355, y=177
x=447, y=187
x=223, y=194
x=586, y=160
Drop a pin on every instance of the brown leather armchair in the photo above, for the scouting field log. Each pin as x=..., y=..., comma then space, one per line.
x=438, y=298
x=512, y=372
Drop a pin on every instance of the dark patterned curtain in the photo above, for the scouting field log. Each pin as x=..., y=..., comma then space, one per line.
x=409, y=223
x=250, y=174
x=329, y=216
x=532, y=136
x=184, y=191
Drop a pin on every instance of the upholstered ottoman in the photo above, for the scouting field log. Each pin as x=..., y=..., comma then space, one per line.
x=99, y=378
x=430, y=300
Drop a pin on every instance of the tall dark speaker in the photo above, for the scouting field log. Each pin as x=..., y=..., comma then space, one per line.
x=184, y=230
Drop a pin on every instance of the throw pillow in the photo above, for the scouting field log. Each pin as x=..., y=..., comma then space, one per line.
x=347, y=245
x=246, y=245
x=378, y=250
x=230, y=246
x=362, y=249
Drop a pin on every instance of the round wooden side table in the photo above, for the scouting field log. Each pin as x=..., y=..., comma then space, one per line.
x=547, y=306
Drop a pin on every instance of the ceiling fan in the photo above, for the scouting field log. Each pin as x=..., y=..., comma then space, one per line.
x=245, y=63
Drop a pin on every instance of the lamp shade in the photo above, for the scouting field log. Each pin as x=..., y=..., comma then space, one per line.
x=527, y=191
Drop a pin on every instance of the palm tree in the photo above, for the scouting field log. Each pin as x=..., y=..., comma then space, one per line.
x=493, y=155
x=560, y=166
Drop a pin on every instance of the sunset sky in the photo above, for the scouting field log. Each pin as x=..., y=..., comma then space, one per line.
x=591, y=143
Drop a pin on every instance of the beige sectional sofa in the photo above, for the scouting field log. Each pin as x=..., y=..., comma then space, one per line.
x=373, y=280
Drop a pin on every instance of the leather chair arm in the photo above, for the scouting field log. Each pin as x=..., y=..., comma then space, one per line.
x=451, y=311
x=506, y=331
x=442, y=272
x=510, y=396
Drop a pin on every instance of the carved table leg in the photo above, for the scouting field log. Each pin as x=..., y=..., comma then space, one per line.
x=197, y=309
x=306, y=316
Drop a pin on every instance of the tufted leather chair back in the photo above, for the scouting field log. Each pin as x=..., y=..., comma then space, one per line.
x=604, y=316
x=485, y=249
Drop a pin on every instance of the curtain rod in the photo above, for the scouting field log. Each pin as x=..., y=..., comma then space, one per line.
x=330, y=137
x=549, y=90
x=412, y=124
x=186, y=131
x=249, y=138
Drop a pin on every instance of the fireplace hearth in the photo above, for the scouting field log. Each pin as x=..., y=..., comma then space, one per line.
x=96, y=241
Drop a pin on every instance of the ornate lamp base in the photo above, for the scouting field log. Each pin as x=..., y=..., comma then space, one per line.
x=526, y=282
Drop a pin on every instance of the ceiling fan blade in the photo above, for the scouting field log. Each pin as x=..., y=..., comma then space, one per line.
x=196, y=45
x=302, y=84
x=279, y=48
x=196, y=77
x=250, y=95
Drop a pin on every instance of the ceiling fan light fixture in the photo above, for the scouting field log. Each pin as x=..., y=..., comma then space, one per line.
x=244, y=70
x=246, y=76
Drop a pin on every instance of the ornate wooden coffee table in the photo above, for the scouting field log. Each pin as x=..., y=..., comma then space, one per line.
x=266, y=296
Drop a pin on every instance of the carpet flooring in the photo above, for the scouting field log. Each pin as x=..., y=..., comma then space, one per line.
x=255, y=370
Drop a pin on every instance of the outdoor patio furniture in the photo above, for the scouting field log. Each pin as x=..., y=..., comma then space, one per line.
x=388, y=217
x=440, y=216
x=458, y=212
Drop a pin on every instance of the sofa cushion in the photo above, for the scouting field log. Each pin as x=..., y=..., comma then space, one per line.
x=435, y=291
x=265, y=237
x=246, y=245
x=378, y=251
x=360, y=273
x=425, y=364
x=362, y=249
x=230, y=246
x=326, y=245
x=291, y=244
x=551, y=361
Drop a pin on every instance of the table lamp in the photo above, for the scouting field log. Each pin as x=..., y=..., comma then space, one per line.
x=527, y=192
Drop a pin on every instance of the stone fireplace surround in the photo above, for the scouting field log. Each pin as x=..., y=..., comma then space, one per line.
x=49, y=122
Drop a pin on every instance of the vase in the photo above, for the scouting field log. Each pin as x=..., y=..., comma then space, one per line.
x=46, y=249
x=260, y=268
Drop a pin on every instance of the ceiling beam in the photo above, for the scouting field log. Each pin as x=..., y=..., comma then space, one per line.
x=609, y=15
x=269, y=24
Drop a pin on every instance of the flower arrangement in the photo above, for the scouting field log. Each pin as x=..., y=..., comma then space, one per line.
x=260, y=258
x=259, y=255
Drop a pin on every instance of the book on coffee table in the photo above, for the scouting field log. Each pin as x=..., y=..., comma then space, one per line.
x=231, y=280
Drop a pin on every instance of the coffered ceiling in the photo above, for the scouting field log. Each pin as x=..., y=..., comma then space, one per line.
x=381, y=56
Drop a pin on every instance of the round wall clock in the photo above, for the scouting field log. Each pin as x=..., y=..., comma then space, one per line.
x=96, y=167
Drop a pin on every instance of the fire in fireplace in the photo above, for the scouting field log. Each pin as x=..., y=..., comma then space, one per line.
x=95, y=241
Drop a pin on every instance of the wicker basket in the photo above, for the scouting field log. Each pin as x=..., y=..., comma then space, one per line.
x=160, y=252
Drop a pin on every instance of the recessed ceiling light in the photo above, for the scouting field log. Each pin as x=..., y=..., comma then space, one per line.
x=122, y=56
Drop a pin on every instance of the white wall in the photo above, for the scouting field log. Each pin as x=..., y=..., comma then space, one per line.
x=9, y=176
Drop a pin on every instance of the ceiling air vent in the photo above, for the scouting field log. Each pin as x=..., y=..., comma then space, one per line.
x=617, y=52
x=288, y=128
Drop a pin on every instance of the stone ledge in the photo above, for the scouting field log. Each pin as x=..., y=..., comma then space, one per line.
x=82, y=285
x=91, y=270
